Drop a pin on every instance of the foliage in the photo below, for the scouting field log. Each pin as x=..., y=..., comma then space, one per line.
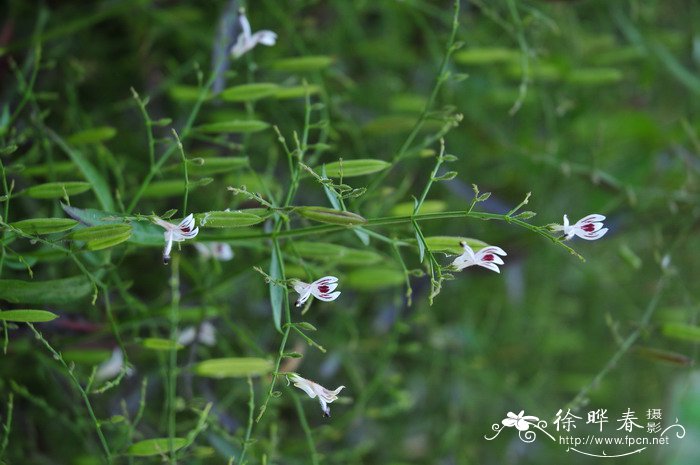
x=353, y=148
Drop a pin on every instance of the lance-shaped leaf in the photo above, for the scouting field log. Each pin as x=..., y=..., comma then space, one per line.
x=224, y=219
x=233, y=367
x=103, y=236
x=352, y=168
x=429, y=206
x=374, y=278
x=235, y=126
x=329, y=215
x=27, y=316
x=249, y=92
x=157, y=446
x=92, y=135
x=215, y=165
x=44, y=225
x=681, y=331
x=57, y=190
x=157, y=343
x=55, y=291
x=296, y=91
x=451, y=244
x=309, y=63
x=143, y=233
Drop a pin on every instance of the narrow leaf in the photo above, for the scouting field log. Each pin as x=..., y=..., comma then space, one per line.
x=233, y=367
x=27, y=316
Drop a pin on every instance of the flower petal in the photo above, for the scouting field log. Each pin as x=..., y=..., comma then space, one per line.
x=264, y=37
x=509, y=422
x=490, y=266
x=590, y=219
x=492, y=249
x=325, y=297
x=591, y=236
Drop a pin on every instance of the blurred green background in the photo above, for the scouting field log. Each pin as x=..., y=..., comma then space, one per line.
x=590, y=105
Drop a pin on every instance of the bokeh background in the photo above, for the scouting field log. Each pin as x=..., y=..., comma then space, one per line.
x=590, y=105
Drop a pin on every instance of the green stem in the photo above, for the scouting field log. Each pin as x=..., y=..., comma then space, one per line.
x=249, y=428
x=305, y=428
x=392, y=220
x=57, y=356
x=172, y=365
x=168, y=153
x=149, y=127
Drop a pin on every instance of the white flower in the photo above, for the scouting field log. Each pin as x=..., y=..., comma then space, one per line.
x=488, y=257
x=325, y=396
x=176, y=233
x=322, y=289
x=589, y=227
x=112, y=367
x=520, y=421
x=206, y=335
x=246, y=40
x=219, y=250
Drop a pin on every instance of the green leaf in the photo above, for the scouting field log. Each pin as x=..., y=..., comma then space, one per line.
x=55, y=291
x=374, y=278
x=115, y=235
x=57, y=190
x=157, y=446
x=283, y=93
x=44, y=225
x=105, y=231
x=681, y=331
x=329, y=215
x=224, y=219
x=156, y=343
x=594, y=76
x=92, y=135
x=27, y=316
x=143, y=233
x=450, y=244
x=429, y=206
x=276, y=291
x=216, y=165
x=235, y=126
x=233, y=367
x=338, y=254
x=62, y=167
x=249, y=92
x=98, y=183
x=185, y=93
x=352, y=168
x=487, y=55
x=303, y=64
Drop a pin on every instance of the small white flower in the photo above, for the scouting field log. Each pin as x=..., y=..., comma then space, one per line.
x=219, y=250
x=112, y=366
x=207, y=335
x=176, y=233
x=589, y=227
x=246, y=40
x=314, y=390
x=322, y=289
x=488, y=257
x=520, y=421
